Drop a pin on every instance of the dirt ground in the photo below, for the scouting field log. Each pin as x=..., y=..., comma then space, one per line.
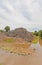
x=7, y=58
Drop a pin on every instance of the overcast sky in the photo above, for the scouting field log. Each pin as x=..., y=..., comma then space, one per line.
x=21, y=13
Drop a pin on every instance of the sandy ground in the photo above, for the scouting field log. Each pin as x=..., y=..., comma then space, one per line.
x=7, y=58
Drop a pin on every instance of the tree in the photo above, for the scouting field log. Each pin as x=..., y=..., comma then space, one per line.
x=40, y=33
x=35, y=33
x=7, y=28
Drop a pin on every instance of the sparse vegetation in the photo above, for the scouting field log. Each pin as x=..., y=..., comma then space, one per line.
x=15, y=45
x=35, y=40
x=8, y=40
x=17, y=48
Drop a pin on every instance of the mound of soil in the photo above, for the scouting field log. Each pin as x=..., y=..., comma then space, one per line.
x=21, y=33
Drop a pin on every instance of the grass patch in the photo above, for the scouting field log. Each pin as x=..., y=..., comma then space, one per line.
x=7, y=40
x=35, y=40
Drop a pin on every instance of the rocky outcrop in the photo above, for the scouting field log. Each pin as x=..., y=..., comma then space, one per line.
x=21, y=33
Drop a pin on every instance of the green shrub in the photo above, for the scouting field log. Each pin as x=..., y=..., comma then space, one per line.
x=40, y=33
x=35, y=33
x=1, y=31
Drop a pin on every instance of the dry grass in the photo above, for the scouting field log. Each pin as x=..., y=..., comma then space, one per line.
x=14, y=45
x=35, y=40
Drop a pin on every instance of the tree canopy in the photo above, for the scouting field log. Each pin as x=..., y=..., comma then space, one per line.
x=7, y=28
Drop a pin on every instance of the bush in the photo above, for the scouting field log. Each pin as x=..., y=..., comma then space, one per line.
x=35, y=33
x=40, y=33
x=1, y=31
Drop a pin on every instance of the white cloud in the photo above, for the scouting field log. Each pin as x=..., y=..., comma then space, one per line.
x=21, y=13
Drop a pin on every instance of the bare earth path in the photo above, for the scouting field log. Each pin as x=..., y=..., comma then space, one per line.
x=7, y=58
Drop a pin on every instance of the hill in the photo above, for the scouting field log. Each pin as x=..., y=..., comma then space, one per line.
x=21, y=33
